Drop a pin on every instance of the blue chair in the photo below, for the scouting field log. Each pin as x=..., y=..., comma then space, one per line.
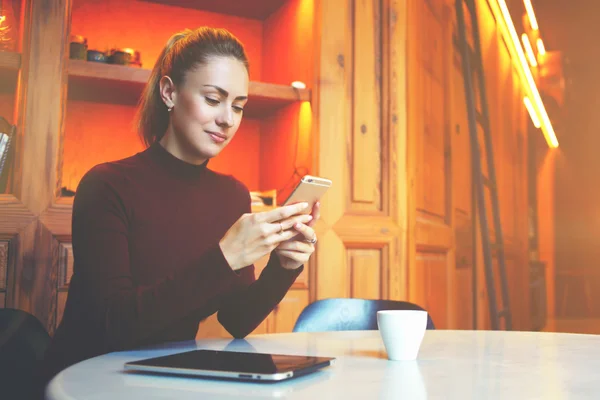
x=341, y=314
x=23, y=343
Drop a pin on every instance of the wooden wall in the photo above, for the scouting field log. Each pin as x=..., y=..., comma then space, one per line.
x=386, y=122
x=443, y=275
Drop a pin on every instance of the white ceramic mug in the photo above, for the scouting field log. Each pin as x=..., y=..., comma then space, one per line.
x=402, y=332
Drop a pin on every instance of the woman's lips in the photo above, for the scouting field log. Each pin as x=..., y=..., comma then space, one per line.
x=217, y=137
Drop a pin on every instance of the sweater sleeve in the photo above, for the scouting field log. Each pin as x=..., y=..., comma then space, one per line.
x=124, y=311
x=251, y=303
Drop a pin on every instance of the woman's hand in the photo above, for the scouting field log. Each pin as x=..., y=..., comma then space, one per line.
x=296, y=251
x=256, y=235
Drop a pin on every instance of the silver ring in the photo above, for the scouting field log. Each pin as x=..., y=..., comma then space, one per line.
x=313, y=240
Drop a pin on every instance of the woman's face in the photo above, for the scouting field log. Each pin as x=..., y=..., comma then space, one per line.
x=207, y=109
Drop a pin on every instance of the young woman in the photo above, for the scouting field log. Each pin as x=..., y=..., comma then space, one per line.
x=160, y=241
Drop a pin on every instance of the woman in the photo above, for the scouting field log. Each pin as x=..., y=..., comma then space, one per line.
x=160, y=242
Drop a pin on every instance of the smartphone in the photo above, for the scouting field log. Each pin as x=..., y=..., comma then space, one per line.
x=310, y=189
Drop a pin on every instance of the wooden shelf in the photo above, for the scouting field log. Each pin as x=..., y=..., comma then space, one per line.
x=254, y=9
x=117, y=84
x=10, y=63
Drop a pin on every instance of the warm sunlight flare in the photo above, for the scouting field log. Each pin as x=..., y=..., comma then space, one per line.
x=540, y=46
x=532, y=114
x=529, y=50
x=501, y=12
x=531, y=15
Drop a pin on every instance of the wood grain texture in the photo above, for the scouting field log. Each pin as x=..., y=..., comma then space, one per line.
x=57, y=219
x=10, y=60
x=40, y=101
x=367, y=134
x=33, y=285
x=367, y=277
x=40, y=110
x=434, y=266
x=284, y=317
x=397, y=182
x=13, y=216
x=415, y=287
x=3, y=264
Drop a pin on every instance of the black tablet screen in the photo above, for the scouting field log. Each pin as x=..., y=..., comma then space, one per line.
x=234, y=361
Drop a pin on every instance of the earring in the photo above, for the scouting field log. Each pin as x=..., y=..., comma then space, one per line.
x=169, y=108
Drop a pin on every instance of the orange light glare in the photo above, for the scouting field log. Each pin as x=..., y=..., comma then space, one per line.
x=540, y=46
x=529, y=50
x=531, y=15
x=532, y=114
x=502, y=14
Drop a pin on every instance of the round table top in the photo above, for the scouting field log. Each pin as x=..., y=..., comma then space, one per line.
x=451, y=364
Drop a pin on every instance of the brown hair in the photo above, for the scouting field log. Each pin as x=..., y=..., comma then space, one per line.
x=183, y=52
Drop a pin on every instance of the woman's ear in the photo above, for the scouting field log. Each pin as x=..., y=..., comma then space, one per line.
x=167, y=92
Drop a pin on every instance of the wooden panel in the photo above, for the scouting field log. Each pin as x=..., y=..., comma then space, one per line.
x=13, y=216
x=431, y=143
x=286, y=313
x=9, y=60
x=61, y=301
x=365, y=267
x=35, y=275
x=366, y=138
x=436, y=288
x=463, y=295
x=2, y=299
x=431, y=42
x=65, y=264
x=334, y=104
x=463, y=241
x=333, y=266
x=10, y=63
x=43, y=75
x=431, y=233
x=398, y=181
x=3, y=264
x=461, y=144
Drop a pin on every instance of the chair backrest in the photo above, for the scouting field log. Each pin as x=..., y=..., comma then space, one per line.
x=23, y=343
x=341, y=314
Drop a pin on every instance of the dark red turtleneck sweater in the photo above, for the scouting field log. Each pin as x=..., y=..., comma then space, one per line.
x=148, y=266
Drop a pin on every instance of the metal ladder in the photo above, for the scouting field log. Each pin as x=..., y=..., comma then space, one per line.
x=480, y=118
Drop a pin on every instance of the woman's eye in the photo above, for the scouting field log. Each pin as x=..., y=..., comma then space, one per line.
x=211, y=101
x=238, y=109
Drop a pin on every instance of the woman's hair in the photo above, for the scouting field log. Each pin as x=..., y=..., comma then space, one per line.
x=183, y=52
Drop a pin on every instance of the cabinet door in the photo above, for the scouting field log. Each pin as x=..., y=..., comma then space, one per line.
x=284, y=316
x=431, y=204
x=361, y=232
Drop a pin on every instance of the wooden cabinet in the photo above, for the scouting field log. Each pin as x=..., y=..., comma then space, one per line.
x=383, y=117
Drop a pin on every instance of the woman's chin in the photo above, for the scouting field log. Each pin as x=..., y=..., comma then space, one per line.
x=207, y=152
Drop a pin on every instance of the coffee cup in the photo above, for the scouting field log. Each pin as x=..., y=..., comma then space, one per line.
x=402, y=332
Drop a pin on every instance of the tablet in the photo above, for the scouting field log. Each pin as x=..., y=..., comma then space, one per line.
x=233, y=365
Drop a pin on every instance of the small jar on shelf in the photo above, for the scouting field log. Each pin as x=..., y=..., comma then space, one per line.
x=8, y=27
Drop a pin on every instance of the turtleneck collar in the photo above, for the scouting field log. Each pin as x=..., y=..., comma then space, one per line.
x=173, y=164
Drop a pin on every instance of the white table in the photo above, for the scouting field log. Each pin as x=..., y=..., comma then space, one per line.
x=451, y=364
